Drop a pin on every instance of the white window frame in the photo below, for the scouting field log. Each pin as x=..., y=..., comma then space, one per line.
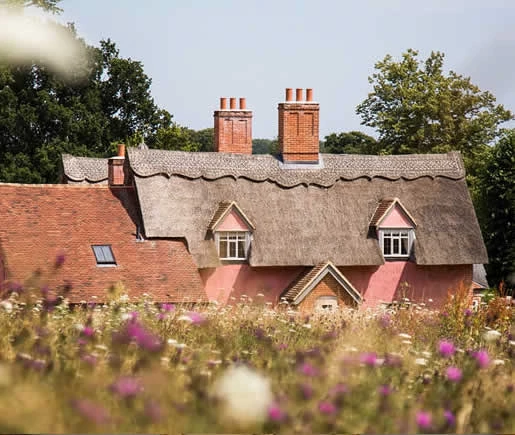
x=232, y=238
x=403, y=233
x=326, y=303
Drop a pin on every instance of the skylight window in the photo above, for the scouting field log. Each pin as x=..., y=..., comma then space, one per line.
x=104, y=255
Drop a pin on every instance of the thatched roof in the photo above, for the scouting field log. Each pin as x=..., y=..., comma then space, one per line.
x=84, y=169
x=309, y=216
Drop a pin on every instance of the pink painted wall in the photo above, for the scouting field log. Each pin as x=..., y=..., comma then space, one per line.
x=235, y=280
x=396, y=219
x=397, y=279
x=232, y=222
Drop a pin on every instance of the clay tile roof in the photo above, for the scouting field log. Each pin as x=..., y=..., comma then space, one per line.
x=84, y=169
x=309, y=277
x=44, y=221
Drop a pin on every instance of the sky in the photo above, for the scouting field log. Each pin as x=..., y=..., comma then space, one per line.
x=196, y=51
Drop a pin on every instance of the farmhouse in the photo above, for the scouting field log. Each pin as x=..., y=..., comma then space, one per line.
x=319, y=230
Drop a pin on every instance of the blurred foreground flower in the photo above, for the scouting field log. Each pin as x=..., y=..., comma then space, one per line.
x=24, y=39
x=446, y=348
x=453, y=374
x=90, y=411
x=245, y=394
x=482, y=358
x=492, y=335
x=193, y=318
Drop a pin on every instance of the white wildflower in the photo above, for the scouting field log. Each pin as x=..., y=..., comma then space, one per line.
x=125, y=316
x=421, y=361
x=426, y=354
x=7, y=306
x=79, y=326
x=246, y=395
x=179, y=345
x=498, y=362
x=171, y=341
x=512, y=342
x=100, y=346
x=307, y=325
x=491, y=335
x=124, y=298
x=403, y=335
x=408, y=342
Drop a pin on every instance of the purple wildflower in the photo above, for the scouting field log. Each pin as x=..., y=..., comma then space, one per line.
x=282, y=346
x=446, y=348
x=385, y=390
x=450, y=418
x=482, y=358
x=453, y=374
x=326, y=408
x=392, y=360
x=369, y=359
x=308, y=370
x=423, y=419
x=275, y=413
x=468, y=313
x=88, y=331
x=196, y=318
x=126, y=387
x=90, y=411
x=167, y=307
x=89, y=359
x=142, y=337
x=306, y=391
x=385, y=320
x=59, y=260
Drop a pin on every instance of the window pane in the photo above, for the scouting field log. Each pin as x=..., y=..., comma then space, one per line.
x=404, y=246
x=395, y=249
x=223, y=248
x=387, y=245
x=232, y=249
x=108, y=254
x=241, y=248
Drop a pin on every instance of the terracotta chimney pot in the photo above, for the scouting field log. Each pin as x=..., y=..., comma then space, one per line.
x=121, y=150
x=309, y=94
x=243, y=104
x=289, y=94
x=223, y=103
x=232, y=101
x=298, y=94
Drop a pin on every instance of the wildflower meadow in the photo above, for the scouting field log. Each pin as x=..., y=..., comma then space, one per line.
x=137, y=366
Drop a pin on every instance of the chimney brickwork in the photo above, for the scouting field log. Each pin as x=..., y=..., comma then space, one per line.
x=233, y=127
x=299, y=128
x=116, y=168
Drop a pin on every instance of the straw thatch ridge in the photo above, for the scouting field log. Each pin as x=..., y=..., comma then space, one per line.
x=84, y=169
x=332, y=167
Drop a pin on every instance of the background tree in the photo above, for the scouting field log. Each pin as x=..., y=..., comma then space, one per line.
x=264, y=146
x=353, y=142
x=417, y=108
x=496, y=210
x=46, y=5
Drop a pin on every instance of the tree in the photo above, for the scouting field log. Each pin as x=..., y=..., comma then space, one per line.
x=353, y=142
x=417, y=108
x=496, y=210
x=264, y=146
x=46, y=5
x=42, y=116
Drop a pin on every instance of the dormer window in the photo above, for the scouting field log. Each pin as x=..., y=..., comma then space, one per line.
x=396, y=242
x=395, y=229
x=232, y=245
x=232, y=231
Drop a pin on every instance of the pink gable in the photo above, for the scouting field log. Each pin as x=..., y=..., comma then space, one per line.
x=232, y=222
x=396, y=218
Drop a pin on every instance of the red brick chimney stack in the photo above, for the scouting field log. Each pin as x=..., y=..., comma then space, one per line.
x=299, y=127
x=116, y=168
x=233, y=127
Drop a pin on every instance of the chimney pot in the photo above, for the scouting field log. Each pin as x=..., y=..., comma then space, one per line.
x=289, y=94
x=232, y=101
x=298, y=94
x=223, y=103
x=309, y=94
x=243, y=103
x=121, y=150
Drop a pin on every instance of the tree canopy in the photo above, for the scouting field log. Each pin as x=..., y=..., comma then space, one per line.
x=352, y=142
x=496, y=210
x=46, y=5
x=417, y=108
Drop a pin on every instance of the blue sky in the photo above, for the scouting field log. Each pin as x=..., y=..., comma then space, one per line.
x=196, y=51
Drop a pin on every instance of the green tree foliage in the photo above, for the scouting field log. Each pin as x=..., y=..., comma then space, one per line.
x=41, y=116
x=417, y=108
x=496, y=210
x=180, y=138
x=46, y=5
x=264, y=146
x=353, y=142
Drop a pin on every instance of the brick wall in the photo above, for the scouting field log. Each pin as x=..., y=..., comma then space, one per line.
x=328, y=286
x=299, y=131
x=233, y=131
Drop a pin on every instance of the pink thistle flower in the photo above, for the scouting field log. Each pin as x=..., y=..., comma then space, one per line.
x=167, y=307
x=90, y=411
x=385, y=390
x=446, y=348
x=275, y=413
x=88, y=331
x=482, y=358
x=454, y=374
x=126, y=387
x=369, y=359
x=142, y=337
x=423, y=419
x=282, y=346
x=326, y=408
x=308, y=370
x=197, y=318
x=450, y=418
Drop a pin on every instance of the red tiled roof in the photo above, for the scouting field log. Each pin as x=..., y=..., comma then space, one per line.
x=39, y=222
